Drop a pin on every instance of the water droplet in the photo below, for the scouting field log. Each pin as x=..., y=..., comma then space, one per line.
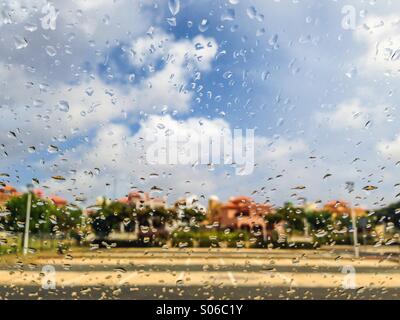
x=144, y=229
x=60, y=178
x=52, y=149
x=265, y=75
x=251, y=12
x=299, y=188
x=351, y=73
x=227, y=75
x=174, y=6
x=30, y=27
x=396, y=55
x=31, y=149
x=273, y=40
x=63, y=106
x=131, y=77
x=89, y=91
x=157, y=189
x=11, y=134
x=203, y=26
x=260, y=32
x=172, y=21
x=370, y=188
x=4, y=213
x=20, y=42
x=51, y=51
x=321, y=233
x=228, y=15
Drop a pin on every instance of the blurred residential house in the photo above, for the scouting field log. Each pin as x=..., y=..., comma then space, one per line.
x=340, y=208
x=191, y=202
x=240, y=213
x=149, y=226
x=143, y=199
x=58, y=201
x=6, y=193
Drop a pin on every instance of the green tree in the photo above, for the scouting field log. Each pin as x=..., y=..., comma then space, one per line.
x=319, y=220
x=294, y=216
x=191, y=216
x=66, y=220
x=41, y=210
x=45, y=219
x=391, y=213
x=107, y=218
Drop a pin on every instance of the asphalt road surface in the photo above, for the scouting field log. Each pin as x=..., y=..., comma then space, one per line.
x=328, y=273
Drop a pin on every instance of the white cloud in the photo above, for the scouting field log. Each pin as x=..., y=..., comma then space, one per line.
x=183, y=59
x=381, y=35
x=93, y=103
x=351, y=115
x=34, y=82
x=390, y=149
x=280, y=149
x=116, y=156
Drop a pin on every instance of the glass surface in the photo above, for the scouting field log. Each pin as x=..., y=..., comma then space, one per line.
x=224, y=149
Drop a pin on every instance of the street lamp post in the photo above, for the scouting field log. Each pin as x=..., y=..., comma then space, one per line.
x=27, y=220
x=355, y=234
x=350, y=188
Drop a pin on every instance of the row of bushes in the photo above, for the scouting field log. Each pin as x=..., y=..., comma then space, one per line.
x=215, y=239
x=332, y=238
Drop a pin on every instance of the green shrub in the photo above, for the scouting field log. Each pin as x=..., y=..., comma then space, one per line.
x=182, y=239
x=343, y=239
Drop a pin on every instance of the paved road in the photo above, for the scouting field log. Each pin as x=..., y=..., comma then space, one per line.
x=204, y=274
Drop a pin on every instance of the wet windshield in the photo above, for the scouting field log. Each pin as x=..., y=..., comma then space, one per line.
x=170, y=149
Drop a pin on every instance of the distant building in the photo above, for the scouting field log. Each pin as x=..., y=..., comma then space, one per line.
x=213, y=209
x=339, y=208
x=38, y=193
x=191, y=201
x=143, y=199
x=6, y=193
x=240, y=213
x=58, y=201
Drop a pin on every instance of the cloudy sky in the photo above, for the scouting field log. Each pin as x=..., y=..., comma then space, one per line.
x=80, y=94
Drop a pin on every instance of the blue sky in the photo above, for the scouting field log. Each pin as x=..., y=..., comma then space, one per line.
x=322, y=99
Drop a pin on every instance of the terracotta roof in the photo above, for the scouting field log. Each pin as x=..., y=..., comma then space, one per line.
x=134, y=194
x=123, y=200
x=336, y=203
x=342, y=207
x=229, y=205
x=38, y=192
x=58, y=201
x=8, y=188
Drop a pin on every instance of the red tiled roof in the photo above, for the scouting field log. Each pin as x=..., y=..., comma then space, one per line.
x=8, y=188
x=58, y=201
x=123, y=200
x=38, y=192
